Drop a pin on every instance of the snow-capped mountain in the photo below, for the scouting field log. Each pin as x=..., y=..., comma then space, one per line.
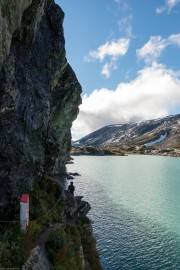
x=164, y=132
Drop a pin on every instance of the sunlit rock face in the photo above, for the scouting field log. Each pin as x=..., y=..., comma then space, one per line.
x=39, y=95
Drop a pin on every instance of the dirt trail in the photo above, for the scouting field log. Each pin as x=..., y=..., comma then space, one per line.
x=45, y=233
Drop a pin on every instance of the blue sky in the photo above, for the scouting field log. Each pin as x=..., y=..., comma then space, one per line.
x=126, y=55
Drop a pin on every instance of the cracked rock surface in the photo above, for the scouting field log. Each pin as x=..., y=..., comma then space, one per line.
x=39, y=95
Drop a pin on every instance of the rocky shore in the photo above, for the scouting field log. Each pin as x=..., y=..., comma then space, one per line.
x=125, y=150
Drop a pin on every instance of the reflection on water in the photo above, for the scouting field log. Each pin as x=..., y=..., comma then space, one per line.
x=135, y=209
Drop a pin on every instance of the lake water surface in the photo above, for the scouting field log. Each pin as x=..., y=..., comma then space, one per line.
x=135, y=203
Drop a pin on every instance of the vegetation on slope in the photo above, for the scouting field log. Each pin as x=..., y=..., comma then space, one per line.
x=73, y=247
x=15, y=244
x=64, y=246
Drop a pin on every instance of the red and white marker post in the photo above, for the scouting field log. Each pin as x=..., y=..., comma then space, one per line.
x=24, y=211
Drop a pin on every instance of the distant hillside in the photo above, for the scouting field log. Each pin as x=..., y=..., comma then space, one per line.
x=161, y=133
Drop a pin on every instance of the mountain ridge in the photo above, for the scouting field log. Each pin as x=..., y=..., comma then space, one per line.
x=158, y=133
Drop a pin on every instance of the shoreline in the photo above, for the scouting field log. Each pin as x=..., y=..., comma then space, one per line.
x=118, y=151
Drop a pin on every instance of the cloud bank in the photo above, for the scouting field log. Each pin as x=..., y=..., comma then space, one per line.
x=154, y=92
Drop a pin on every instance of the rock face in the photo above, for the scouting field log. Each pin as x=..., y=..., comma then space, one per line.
x=37, y=261
x=39, y=95
x=74, y=207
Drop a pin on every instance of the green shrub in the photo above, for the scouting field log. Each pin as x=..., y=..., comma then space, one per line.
x=63, y=248
x=89, y=244
x=16, y=245
x=43, y=198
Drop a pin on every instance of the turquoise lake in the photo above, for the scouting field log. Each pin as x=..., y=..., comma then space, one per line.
x=135, y=203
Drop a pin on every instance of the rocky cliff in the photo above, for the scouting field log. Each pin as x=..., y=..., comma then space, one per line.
x=39, y=95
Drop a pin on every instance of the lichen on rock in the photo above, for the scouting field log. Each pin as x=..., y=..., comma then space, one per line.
x=39, y=95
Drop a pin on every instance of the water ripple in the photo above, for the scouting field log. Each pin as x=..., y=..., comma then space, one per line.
x=140, y=233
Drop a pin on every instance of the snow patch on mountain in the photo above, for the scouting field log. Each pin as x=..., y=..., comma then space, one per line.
x=160, y=139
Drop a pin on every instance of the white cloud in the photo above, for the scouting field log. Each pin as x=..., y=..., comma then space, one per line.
x=153, y=49
x=107, y=69
x=175, y=39
x=123, y=5
x=171, y=3
x=154, y=92
x=168, y=6
x=125, y=25
x=114, y=49
x=160, y=10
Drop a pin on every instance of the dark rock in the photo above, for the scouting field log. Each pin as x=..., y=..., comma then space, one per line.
x=39, y=95
x=70, y=203
x=83, y=208
x=78, y=199
x=69, y=177
x=70, y=162
x=74, y=206
x=74, y=174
